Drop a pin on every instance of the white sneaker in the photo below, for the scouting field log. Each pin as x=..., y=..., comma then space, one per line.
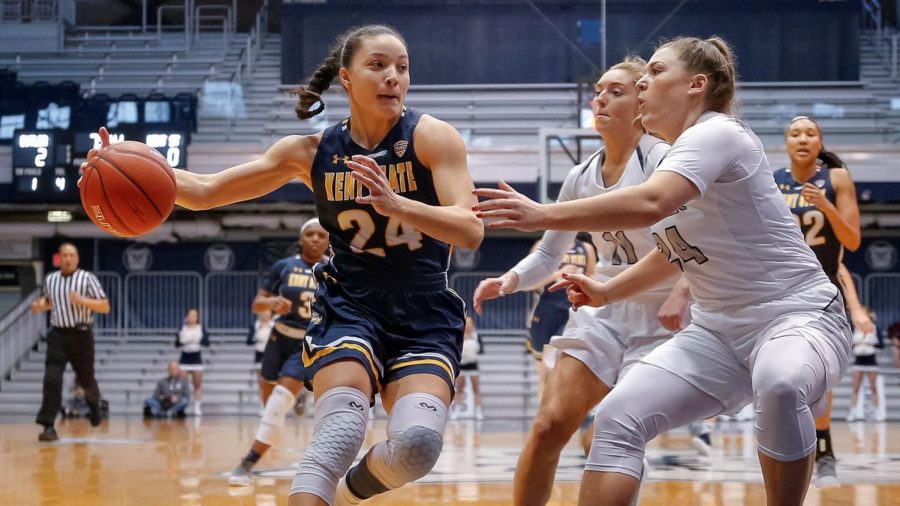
x=240, y=477
x=197, y=410
x=826, y=472
x=880, y=415
x=700, y=445
x=851, y=414
x=478, y=414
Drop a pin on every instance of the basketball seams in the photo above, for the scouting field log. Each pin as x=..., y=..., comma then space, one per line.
x=121, y=149
x=159, y=163
x=108, y=201
x=133, y=183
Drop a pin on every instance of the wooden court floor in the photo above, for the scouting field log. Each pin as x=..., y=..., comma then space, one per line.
x=185, y=462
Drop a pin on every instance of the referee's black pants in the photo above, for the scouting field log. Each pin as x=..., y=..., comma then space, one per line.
x=65, y=345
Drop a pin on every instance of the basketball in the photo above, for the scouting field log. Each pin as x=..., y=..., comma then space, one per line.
x=128, y=189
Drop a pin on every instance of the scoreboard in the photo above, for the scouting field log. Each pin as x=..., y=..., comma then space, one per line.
x=46, y=163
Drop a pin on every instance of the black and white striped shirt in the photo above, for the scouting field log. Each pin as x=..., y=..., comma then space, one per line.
x=57, y=287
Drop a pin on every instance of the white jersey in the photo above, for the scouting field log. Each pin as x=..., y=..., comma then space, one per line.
x=616, y=249
x=190, y=337
x=738, y=244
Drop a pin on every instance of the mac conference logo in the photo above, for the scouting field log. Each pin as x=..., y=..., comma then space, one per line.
x=219, y=257
x=137, y=257
x=400, y=148
x=881, y=256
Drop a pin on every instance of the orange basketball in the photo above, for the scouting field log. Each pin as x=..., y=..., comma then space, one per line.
x=128, y=189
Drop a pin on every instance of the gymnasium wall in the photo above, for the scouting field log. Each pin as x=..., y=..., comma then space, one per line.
x=507, y=41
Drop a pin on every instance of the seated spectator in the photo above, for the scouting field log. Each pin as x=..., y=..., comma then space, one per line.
x=75, y=406
x=171, y=397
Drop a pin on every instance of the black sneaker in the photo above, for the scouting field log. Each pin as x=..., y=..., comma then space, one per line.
x=48, y=435
x=95, y=417
x=147, y=412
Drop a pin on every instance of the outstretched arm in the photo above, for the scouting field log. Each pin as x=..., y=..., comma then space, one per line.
x=650, y=271
x=627, y=208
x=288, y=158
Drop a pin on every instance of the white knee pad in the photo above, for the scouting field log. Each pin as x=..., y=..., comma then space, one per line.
x=785, y=426
x=415, y=439
x=341, y=416
x=271, y=427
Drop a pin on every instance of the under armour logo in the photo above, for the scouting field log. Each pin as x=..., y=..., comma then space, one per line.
x=428, y=406
x=354, y=405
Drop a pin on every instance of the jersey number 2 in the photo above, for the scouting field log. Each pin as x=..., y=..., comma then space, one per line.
x=396, y=233
x=815, y=220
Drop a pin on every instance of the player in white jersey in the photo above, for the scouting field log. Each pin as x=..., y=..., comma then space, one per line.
x=764, y=330
x=598, y=344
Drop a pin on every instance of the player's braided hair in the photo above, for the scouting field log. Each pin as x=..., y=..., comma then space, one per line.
x=310, y=102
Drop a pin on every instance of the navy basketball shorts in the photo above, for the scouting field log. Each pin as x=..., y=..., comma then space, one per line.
x=392, y=333
x=547, y=321
x=282, y=357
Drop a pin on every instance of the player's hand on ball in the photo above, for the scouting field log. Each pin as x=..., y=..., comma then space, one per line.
x=582, y=290
x=381, y=196
x=507, y=208
x=104, y=141
x=281, y=306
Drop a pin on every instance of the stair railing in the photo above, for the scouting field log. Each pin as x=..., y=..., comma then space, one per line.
x=19, y=331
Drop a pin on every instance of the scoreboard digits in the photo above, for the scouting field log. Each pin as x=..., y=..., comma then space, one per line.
x=46, y=163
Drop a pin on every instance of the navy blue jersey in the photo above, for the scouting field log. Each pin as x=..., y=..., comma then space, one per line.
x=293, y=279
x=577, y=257
x=813, y=223
x=369, y=248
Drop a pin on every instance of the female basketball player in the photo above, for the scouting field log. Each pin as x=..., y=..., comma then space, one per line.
x=598, y=345
x=190, y=338
x=258, y=337
x=393, y=191
x=763, y=330
x=288, y=291
x=818, y=189
x=551, y=313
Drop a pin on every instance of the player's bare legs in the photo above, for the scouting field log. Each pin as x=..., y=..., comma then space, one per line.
x=561, y=412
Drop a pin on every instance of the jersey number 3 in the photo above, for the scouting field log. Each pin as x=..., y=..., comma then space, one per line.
x=396, y=233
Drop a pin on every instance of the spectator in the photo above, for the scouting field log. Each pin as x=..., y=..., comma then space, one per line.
x=190, y=338
x=259, y=335
x=171, y=397
x=864, y=348
x=894, y=333
x=468, y=368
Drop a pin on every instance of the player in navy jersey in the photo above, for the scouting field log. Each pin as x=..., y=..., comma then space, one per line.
x=552, y=309
x=287, y=291
x=393, y=191
x=820, y=193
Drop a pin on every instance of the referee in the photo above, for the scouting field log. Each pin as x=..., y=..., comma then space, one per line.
x=72, y=296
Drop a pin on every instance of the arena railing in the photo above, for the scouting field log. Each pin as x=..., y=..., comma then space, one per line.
x=19, y=331
x=507, y=315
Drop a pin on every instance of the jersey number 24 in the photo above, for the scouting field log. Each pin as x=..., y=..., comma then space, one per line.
x=396, y=233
